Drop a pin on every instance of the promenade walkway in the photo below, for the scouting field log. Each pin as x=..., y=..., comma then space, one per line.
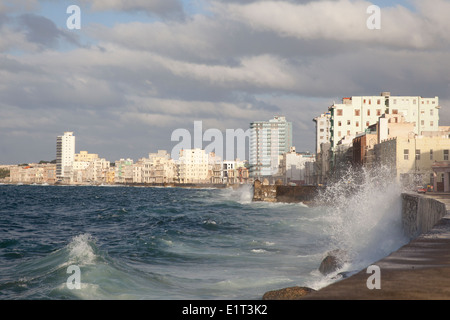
x=419, y=270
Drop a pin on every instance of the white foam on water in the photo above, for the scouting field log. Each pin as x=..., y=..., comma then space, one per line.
x=81, y=251
x=364, y=216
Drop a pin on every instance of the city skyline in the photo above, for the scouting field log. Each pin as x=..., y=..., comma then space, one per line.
x=133, y=73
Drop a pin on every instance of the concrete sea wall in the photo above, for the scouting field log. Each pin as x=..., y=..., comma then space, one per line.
x=281, y=193
x=420, y=213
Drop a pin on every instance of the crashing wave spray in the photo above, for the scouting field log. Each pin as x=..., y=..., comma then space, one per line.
x=364, y=211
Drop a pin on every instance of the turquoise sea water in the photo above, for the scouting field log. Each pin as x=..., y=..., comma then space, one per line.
x=176, y=243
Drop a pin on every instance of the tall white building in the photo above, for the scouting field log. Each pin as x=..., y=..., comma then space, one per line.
x=65, y=155
x=268, y=141
x=355, y=114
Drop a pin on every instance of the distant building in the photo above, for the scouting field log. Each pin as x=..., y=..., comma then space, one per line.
x=159, y=168
x=268, y=141
x=65, y=155
x=323, y=129
x=123, y=171
x=293, y=167
x=193, y=166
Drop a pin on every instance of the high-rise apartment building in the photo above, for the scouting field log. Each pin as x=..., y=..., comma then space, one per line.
x=268, y=141
x=355, y=114
x=65, y=154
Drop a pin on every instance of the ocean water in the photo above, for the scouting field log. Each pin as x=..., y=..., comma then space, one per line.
x=177, y=243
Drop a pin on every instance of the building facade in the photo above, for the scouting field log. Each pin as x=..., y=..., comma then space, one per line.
x=355, y=114
x=65, y=155
x=268, y=141
x=412, y=159
x=193, y=166
x=323, y=129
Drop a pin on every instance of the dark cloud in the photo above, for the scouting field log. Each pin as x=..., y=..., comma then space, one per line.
x=43, y=31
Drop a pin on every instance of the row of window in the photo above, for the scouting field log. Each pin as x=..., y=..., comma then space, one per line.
x=394, y=101
x=339, y=124
x=340, y=112
x=406, y=154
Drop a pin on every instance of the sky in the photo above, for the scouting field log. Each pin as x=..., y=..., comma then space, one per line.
x=137, y=70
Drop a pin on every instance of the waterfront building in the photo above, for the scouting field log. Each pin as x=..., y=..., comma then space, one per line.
x=65, y=155
x=269, y=140
x=89, y=168
x=415, y=160
x=123, y=171
x=293, y=167
x=193, y=166
x=355, y=114
x=33, y=174
x=323, y=129
x=159, y=168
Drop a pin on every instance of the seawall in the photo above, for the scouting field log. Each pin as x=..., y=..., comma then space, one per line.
x=421, y=213
x=282, y=193
x=419, y=270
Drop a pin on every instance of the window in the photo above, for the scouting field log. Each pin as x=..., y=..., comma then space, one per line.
x=339, y=112
x=357, y=123
x=395, y=111
x=357, y=113
x=417, y=154
x=445, y=155
x=431, y=112
x=339, y=133
x=431, y=154
x=348, y=122
x=422, y=122
x=378, y=112
x=368, y=112
x=431, y=123
x=367, y=123
x=370, y=101
x=339, y=123
x=406, y=154
x=378, y=101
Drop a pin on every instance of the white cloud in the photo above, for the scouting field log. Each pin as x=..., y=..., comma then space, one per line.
x=345, y=21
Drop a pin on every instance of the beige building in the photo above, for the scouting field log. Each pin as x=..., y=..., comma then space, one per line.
x=193, y=166
x=159, y=168
x=33, y=174
x=89, y=168
x=412, y=159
